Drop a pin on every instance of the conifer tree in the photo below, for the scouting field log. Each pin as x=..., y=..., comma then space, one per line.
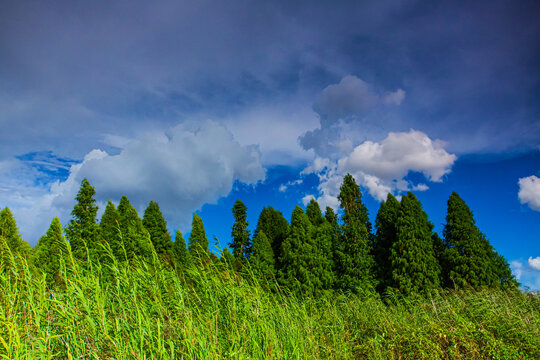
x=240, y=233
x=262, y=256
x=323, y=257
x=82, y=230
x=354, y=260
x=385, y=224
x=414, y=267
x=110, y=231
x=9, y=230
x=156, y=225
x=180, y=252
x=313, y=212
x=275, y=227
x=472, y=260
x=332, y=219
x=8, y=264
x=227, y=258
x=52, y=250
x=135, y=237
x=198, y=242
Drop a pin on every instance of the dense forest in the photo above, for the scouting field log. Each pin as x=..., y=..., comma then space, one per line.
x=325, y=285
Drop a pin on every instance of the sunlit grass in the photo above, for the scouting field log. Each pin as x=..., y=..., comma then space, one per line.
x=145, y=311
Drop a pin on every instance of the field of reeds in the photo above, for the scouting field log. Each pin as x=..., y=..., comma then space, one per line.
x=148, y=311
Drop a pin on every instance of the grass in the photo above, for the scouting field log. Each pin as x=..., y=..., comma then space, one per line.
x=147, y=312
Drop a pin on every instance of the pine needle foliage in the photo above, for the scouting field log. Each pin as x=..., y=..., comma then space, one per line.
x=156, y=225
x=198, y=242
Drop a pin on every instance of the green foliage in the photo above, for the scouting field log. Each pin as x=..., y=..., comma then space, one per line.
x=9, y=230
x=111, y=235
x=240, y=233
x=313, y=212
x=386, y=236
x=471, y=260
x=135, y=237
x=52, y=251
x=82, y=231
x=228, y=258
x=180, y=252
x=414, y=266
x=156, y=225
x=262, y=257
x=198, y=242
x=354, y=262
x=275, y=227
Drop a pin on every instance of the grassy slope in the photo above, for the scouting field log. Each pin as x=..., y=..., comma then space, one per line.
x=212, y=314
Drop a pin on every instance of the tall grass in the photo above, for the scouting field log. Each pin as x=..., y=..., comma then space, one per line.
x=153, y=312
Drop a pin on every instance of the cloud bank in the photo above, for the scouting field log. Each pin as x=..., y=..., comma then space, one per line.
x=529, y=191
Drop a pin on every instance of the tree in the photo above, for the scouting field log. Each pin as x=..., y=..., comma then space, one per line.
x=9, y=230
x=240, y=232
x=52, y=250
x=227, y=258
x=313, y=212
x=135, y=237
x=472, y=261
x=110, y=232
x=386, y=236
x=414, y=266
x=354, y=260
x=180, y=252
x=156, y=225
x=322, y=258
x=275, y=227
x=262, y=256
x=198, y=242
x=82, y=230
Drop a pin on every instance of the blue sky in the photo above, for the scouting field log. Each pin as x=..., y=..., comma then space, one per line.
x=195, y=104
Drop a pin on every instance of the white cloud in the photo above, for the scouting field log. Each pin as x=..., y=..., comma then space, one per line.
x=182, y=169
x=534, y=262
x=381, y=167
x=529, y=192
x=284, y=187
x=394, y=98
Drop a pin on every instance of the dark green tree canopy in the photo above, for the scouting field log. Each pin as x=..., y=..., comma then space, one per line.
x=51, y=252
x=82, y=230
x=156, y=225
x=110, y=232
x=313, y=212
x=198, y=242
x=180, y=252
x=240, y=233
x=9, y=230
x=135, y=237
x=275, y=227
x=262, y=256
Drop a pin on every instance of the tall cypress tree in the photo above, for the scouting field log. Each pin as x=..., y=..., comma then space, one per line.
x=156, y=225
x=471, y=259
x=180, y=252
x=9, y=230
x=354, y=260
x=82, y=230
x=414, y=266
x=198, y=242
x=135, y=237
x=52, y=249
x=313, y=212
x=110, y=232
x=275, y=227
x=262, y=256
x=240, y=233
x=386, y=236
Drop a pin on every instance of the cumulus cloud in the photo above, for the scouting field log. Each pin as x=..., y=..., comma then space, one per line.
x=284, y=187
x=527, y=273
x=529, y=192
x=382, y=167
x=534, y=262
x=182, y=169
x=352, y=100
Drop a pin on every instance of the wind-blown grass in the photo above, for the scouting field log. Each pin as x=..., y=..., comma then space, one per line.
x=154, y=312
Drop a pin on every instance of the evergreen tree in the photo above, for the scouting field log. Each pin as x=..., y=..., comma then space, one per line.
x=82, y=230
x=9, y=230
x=313, y=212
x=8, y=264
x=135, y=237
x=180, y=252
x=472, y=261
x=240, y=232
x=110, y=232
x=227, y=258
x=323, y=257
x=386, y=235
x=198, y=242
x=354, y=262
x=332, y=219
x=52, y=250
x=156, y=225
x=414, y=267
x=262, y=256
x=275, y=227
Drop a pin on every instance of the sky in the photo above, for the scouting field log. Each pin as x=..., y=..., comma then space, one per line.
x=197, y=104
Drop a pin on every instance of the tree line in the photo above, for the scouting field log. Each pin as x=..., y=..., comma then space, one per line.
x=313, y=253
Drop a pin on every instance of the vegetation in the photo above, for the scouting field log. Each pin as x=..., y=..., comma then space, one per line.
x=322, y=287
